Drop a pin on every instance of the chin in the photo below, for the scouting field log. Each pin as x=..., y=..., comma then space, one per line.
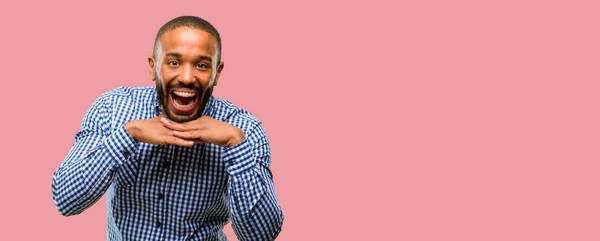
x=181, y=118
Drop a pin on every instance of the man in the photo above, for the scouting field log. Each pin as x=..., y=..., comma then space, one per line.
x=176, y=163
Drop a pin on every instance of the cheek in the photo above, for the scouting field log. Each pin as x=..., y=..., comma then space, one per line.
x=204, y=78
x=168, y=74
x=168, y=77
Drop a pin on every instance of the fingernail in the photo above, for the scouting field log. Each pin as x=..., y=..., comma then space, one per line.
x=175, y=132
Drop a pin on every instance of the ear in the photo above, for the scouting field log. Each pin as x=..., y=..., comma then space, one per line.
x=219, y=69
x=152, y=69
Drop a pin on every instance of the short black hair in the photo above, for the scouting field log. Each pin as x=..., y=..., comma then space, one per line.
x=188, y=21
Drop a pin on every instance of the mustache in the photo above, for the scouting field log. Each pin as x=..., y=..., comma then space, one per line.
x=182, y=85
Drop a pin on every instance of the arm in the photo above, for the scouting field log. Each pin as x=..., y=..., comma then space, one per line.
x=255, y=211
x=95, y=156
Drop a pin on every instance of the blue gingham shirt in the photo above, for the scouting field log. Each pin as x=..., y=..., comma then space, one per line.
x=168, y=192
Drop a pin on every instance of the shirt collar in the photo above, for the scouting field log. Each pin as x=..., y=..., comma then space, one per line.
x=157, y=108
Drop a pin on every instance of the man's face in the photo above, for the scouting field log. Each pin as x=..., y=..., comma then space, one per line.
x=183, y=72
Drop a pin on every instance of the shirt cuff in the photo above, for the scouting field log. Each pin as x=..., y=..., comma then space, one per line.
x=239, y=158
x=120, y=144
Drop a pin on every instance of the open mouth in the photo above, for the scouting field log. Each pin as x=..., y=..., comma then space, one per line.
x=184, y=101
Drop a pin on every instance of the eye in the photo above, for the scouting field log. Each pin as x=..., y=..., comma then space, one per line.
x=202, y=66
x=172, y=63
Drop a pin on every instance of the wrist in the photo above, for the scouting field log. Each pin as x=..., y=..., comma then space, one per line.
x=120, y=144
x=237, y=136
x=131, y=127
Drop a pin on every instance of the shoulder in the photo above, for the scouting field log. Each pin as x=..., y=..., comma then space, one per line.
x=125, y=96
x=122, y=101
x=126, y=92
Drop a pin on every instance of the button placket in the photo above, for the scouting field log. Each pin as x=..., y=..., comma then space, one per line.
x=161, y=204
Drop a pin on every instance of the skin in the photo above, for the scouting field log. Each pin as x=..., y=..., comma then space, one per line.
x=186, y=61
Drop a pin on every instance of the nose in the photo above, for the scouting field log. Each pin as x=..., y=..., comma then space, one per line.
x=187, y=77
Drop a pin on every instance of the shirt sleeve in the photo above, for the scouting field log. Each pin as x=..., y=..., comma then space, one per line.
x=255, y=211
x=97, y=153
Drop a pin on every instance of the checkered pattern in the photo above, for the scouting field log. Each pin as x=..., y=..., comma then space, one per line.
x=168, y=192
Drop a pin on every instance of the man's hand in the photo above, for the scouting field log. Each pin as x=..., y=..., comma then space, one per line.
x=206, y=129
x=152, y=131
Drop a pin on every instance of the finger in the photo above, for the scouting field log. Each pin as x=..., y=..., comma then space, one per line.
x=173, y=125
x=179, y=141
x=189, y=135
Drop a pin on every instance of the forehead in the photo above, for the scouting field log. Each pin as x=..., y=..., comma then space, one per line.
x=188, y=41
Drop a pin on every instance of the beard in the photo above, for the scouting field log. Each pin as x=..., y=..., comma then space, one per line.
x=164, y=100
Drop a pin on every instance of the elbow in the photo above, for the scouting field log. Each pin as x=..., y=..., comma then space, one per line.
x=64, y=207
x=65, y=212
x=278, y=226
x=272, y=231
x=267, y=229
x=63, y=204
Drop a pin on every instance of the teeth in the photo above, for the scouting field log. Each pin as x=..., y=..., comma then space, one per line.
x=184, y=94
x=184, y=106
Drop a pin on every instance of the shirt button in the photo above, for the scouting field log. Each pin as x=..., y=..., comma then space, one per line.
x=161, y=196
x=158, y=224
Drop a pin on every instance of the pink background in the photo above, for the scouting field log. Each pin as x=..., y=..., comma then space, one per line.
x=436, y=120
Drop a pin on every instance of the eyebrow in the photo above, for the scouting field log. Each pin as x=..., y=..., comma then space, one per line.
x=173, y=54
x=204, y=57
x=178, y=55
